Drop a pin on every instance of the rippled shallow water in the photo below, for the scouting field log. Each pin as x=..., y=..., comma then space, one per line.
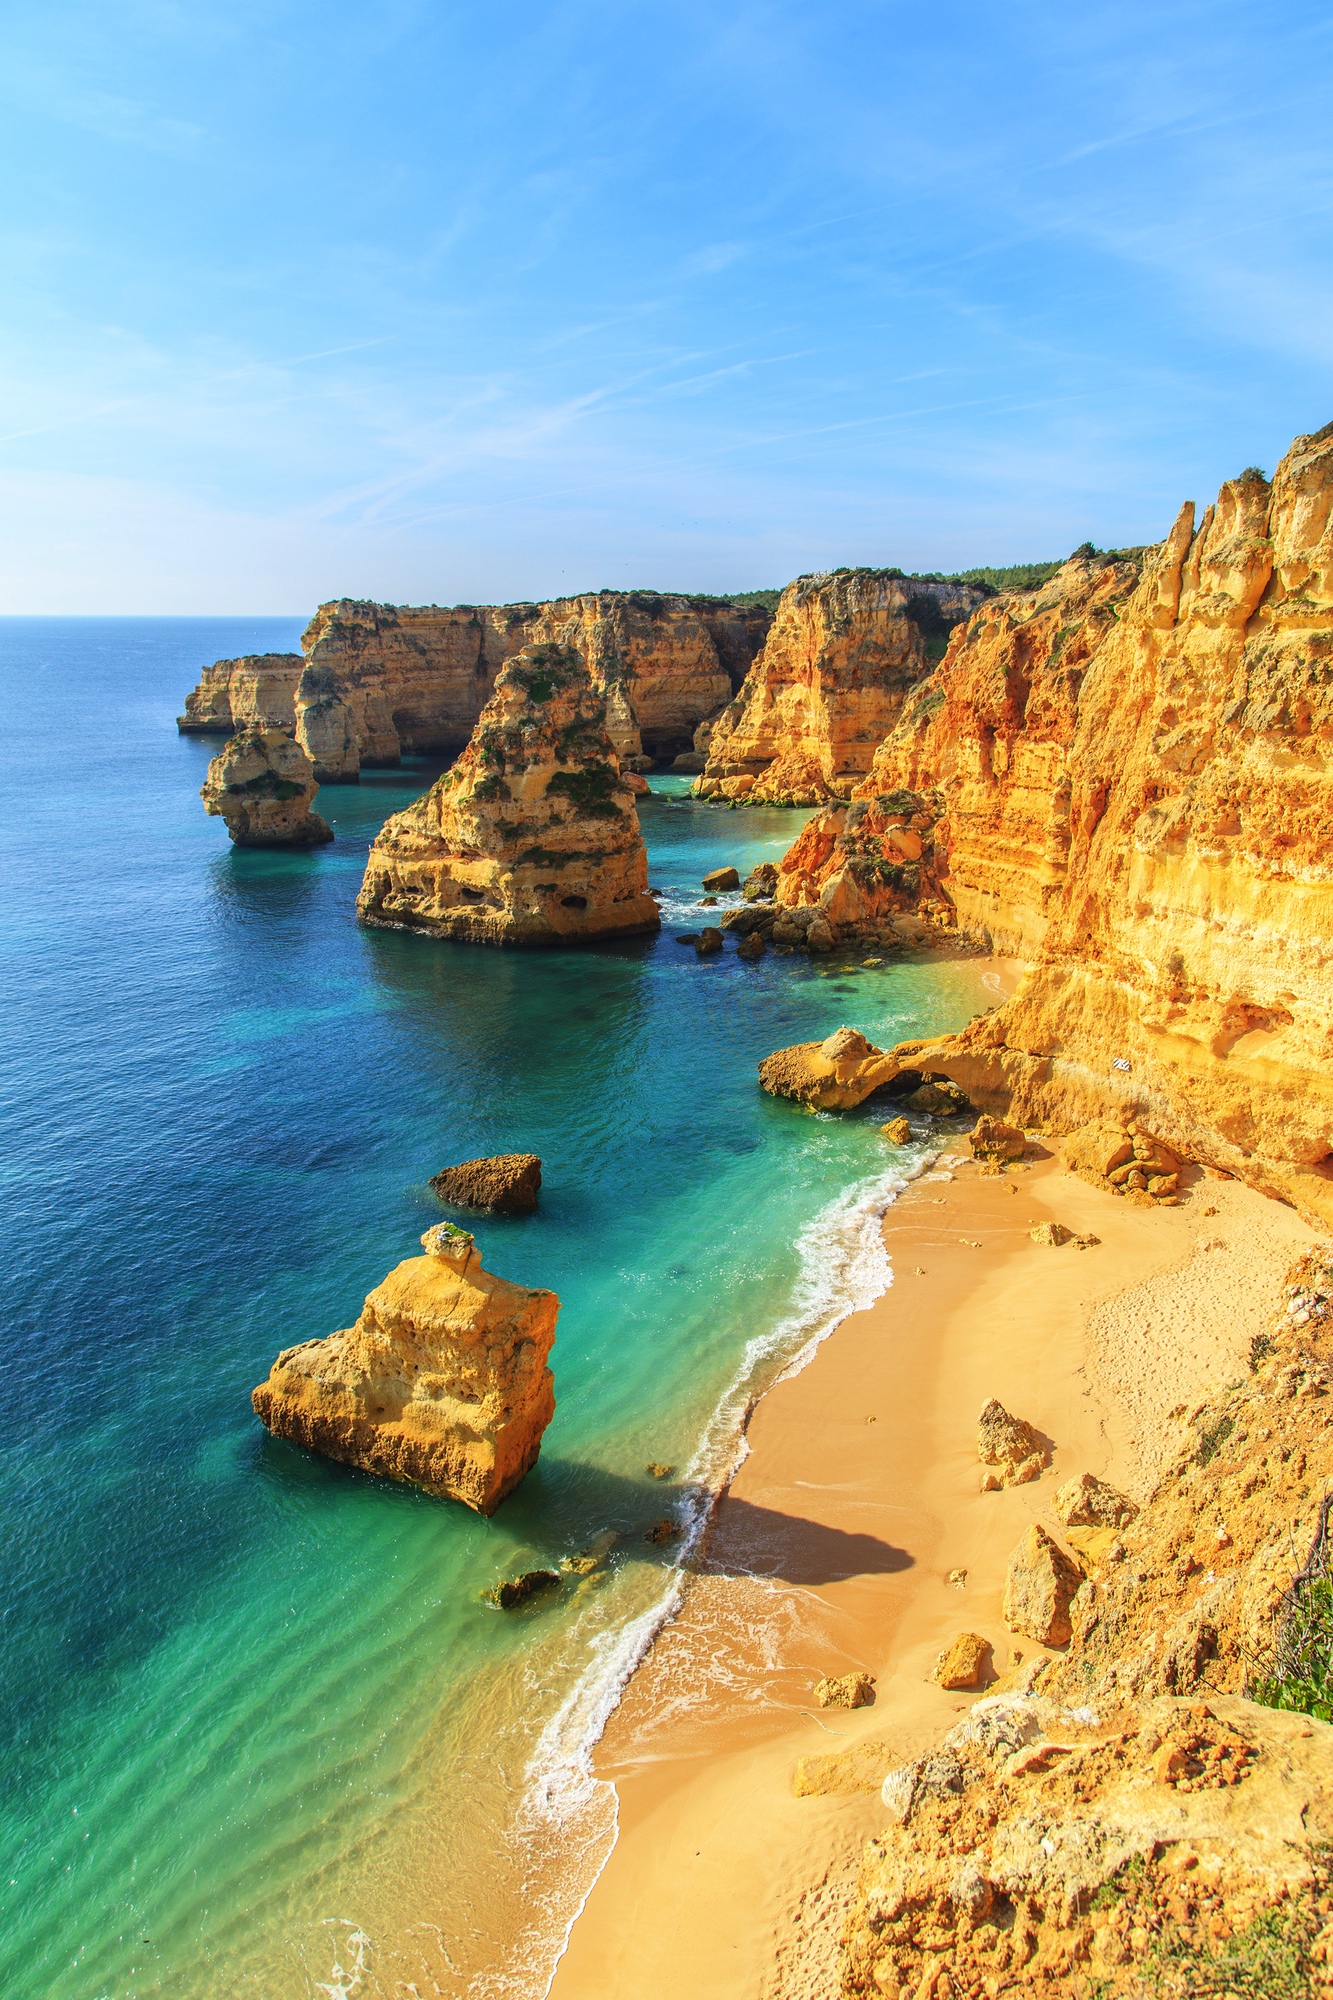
x=263, y=1736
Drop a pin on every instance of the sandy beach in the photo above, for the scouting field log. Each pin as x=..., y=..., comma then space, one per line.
x=833, y=1547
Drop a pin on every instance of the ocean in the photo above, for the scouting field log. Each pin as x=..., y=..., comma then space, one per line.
x=264, y=1736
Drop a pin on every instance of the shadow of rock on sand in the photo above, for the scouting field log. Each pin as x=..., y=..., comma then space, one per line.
x=746, y=1540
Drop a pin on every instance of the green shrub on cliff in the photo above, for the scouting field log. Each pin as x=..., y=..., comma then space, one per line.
x=589, y=790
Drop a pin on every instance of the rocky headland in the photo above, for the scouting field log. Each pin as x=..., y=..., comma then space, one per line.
x=531, y=837
x=441, y=1383
x=255, y=691
x=263, y=785
x=376, y=681
x=1125, y=778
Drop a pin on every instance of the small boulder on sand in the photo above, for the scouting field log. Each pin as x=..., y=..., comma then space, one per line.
x=898, y=1132
x=1040, y=1589
x=1087, y=1502
x=722, y=878
x=845, y=1690
x=995, y=1143
x=1053, y=1234
x=962, y=1662
x=1009, y=1443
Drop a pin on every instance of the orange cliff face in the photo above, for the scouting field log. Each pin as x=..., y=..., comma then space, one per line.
x=1132, y=781
x=377, y=680
x=843, y=653
x=381, y=680
x=532, y=837
x=442, y=1382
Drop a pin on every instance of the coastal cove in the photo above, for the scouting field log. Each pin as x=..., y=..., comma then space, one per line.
x=268, y=1738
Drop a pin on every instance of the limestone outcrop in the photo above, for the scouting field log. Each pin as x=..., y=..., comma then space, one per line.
x=262, y=784
x=831, y=681
x=255, y=691
x=508, y=1184
x=1131, y=771
x=376, y=681
x=832, y=1075
x=1088, y=1502
x=962, y=1662
x=442, y=1382
x=531, y=838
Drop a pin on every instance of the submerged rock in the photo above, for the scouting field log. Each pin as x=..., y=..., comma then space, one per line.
x=518, y=1589
x=507, y=1185
x=263, y=785
x=442, y=1382
x=532, y=837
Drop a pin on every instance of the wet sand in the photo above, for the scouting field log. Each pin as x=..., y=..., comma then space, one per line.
x=832, y=1548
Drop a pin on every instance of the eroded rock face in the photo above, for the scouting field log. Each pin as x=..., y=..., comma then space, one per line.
x=830, y=682
x=1135, y=772
x=442, y=1382
x=506, y=1185
x=530, y=838
x=377, y=680
x=256, y=691
x=263, y=786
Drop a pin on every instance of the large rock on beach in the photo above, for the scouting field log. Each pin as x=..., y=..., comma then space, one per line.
x=263, y=785
x=507, y=1185
x=441, y=1383
x=1040, y=1589
x=530, y=838
x=1010, y=1443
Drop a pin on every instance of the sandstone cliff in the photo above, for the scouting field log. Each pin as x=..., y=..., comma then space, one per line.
x=1128, y=779
x=379, y=680
x=442, y=1382
x=532, y=837
x=256, y=691
x=263, y=786
x=829, y=684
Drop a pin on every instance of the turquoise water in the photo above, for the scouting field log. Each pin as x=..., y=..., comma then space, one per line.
x=263, y=1736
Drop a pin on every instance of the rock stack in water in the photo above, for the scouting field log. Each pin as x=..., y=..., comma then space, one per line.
x=263, y=785
x=532, y=837
x=442, y=1382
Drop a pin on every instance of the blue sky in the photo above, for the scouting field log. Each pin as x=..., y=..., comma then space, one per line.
x=430, y=302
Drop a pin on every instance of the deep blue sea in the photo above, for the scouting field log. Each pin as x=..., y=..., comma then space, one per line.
x=262, y=1735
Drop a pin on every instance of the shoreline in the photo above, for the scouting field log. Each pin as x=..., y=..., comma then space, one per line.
x=830, y=1549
